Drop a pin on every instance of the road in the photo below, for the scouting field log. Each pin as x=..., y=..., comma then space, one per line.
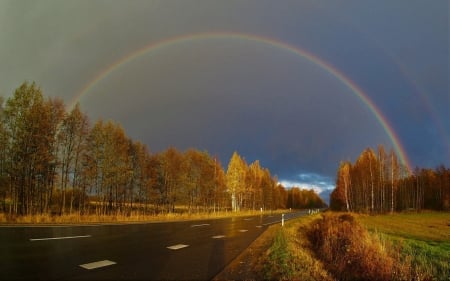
x=184, y=250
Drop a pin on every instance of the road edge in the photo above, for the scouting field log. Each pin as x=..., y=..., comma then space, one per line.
x=248, y=265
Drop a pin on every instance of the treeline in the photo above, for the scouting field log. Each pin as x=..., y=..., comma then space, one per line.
x=53, y=161
x=378, y=183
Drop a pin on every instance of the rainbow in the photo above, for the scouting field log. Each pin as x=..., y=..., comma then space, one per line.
x=424, y=97
x=153, y=47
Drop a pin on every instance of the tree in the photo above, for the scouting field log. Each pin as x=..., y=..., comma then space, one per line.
x=302, y=198
x=221, y=199
x=394, y=168
x=443, y=179
x=254, y=183
x=200, y=179
x=72, y=138
x=4, y=181
x=382, y=172
x=235, y=177
x=340, y=199
x=171, y=165
x=381, y=184
x=366, y=164
x=30, y=127
x=281, y=196
x=268, y=186
x=110, y=166
x=140, y=180
x=52, y=117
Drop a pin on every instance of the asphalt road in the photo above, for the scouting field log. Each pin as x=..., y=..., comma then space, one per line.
x=187, y=250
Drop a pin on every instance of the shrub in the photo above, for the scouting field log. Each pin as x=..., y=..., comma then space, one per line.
x=349, y=251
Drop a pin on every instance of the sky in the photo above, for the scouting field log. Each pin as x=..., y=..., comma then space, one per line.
x=299, y=85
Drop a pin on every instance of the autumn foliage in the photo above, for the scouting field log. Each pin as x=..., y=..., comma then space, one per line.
x=54, y=161
x=378, y=183
x=349, y=251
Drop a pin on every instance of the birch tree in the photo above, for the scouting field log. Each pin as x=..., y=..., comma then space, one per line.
x=235, y=176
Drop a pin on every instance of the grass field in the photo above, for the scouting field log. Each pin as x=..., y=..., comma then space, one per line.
x=413, y=246
x=430, y=226
x=423, y=239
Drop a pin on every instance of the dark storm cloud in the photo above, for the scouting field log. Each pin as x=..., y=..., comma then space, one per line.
x=226, y=95
x=277, y=109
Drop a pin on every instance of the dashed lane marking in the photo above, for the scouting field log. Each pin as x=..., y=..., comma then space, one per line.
x=243, y=230
x=259, y=226
x=269, y=223
x=97, y=264
x=199, y=225
x=218, y=236
x=177, y=246
x=59, y=238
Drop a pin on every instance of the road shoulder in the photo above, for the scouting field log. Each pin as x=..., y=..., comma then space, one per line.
x=249, y=265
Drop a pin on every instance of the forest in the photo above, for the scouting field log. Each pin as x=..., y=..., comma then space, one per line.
x=378, y=183
x=54, y=161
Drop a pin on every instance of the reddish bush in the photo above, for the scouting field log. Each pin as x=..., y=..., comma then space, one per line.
x=348, y=250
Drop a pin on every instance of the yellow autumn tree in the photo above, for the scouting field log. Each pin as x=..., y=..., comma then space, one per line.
x=235, y=177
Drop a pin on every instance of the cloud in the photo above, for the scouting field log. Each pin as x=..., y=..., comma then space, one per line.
x=316, y=182
x=227, y=95
x=321, y=184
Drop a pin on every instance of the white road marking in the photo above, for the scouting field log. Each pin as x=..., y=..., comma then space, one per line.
x=243, y=230
x=259, y=226
x=218, y=236
x=97, y=264
x=198, y=225
x=59, y=238
x=177, y=247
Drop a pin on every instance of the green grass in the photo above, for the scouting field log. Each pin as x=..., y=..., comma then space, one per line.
x=290, y=256
x=422, y=239
x=428, y=226
x=280, y=258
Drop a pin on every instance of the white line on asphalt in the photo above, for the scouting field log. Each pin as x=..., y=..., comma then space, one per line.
x=58, y=238
x=243, y=230
x=218, y=236
x=197, y=225
x=97, y=264
x=259, y=226
x=269, y=223
x=177, y=247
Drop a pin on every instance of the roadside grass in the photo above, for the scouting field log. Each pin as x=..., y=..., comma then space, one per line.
x=290, y=256
x=343, y=246
x=420, y=239
x=119, y=218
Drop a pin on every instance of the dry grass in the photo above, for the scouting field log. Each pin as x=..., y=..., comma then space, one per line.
x=339, y=246
x=80, y=219
x=350, y=252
